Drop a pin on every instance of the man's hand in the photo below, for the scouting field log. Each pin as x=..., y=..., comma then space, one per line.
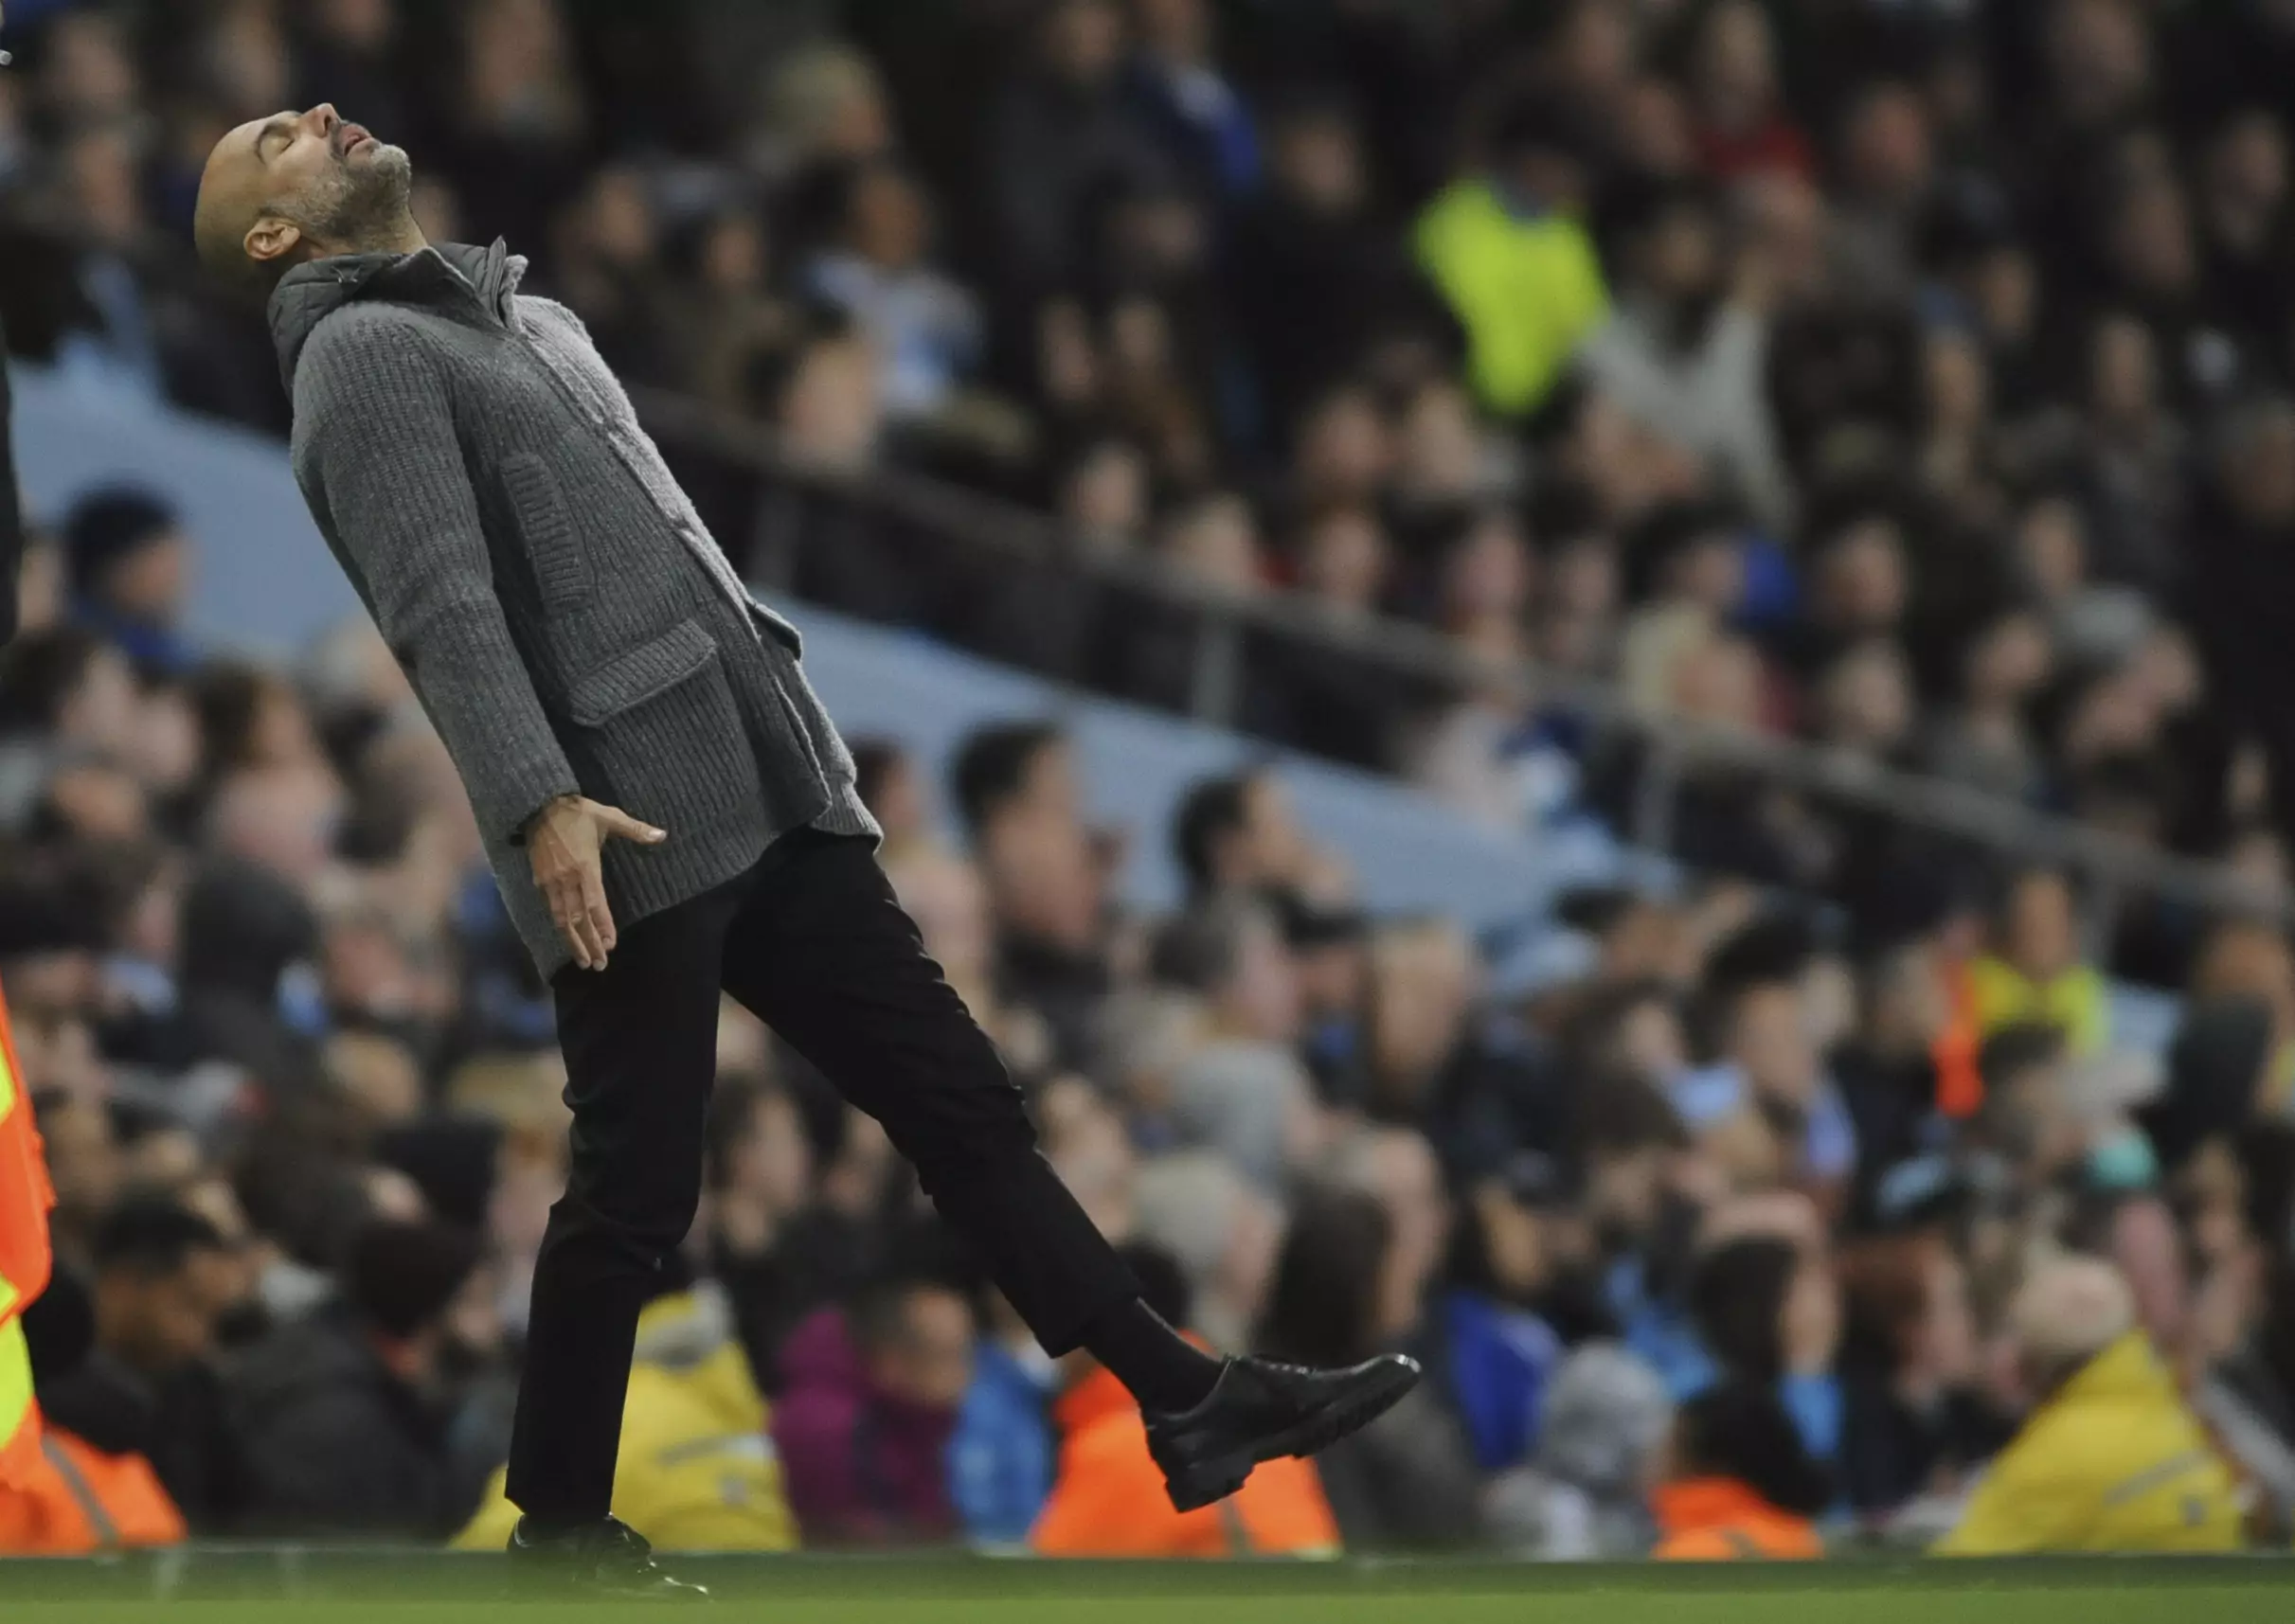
x=564, y=840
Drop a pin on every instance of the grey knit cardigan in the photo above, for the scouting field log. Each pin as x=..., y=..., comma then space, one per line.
x=565, y=618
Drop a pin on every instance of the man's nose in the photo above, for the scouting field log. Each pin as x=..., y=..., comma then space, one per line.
x=324, y=117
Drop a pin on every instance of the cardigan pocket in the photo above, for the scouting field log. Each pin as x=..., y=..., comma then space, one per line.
x=660, y=721
x=561, y=565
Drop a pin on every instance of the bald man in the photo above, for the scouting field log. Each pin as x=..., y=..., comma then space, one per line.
x=668, y=813
x=2110, y=1458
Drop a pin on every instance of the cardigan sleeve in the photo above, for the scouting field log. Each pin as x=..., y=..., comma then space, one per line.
x=386, y=473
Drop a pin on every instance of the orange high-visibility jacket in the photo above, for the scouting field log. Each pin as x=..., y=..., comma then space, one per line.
x=1719, y=1519
x=79, y=1499
x=1109, y=1499
x=25, y=1198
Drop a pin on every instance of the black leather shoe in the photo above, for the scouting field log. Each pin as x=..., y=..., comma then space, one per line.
x=606, y=1558
x=1260, y=1411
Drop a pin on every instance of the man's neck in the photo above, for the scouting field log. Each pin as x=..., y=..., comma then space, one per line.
x=401, y=236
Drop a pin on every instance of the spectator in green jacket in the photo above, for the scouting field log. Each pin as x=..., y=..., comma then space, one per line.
x=1509, y=252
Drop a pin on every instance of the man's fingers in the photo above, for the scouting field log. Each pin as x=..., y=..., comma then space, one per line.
x=573, y=926
x=589, y=945
x=623, y=827
x=576, y=892
x=563, y=916
x=599, y=912
x=571, y=911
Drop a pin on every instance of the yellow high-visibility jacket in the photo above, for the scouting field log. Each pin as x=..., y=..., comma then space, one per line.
x=2115, y=1461
x=1527, y=291
x=2076, y=1001
x=696, y=1471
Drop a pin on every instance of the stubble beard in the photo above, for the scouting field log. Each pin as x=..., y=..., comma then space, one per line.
x=359, y=206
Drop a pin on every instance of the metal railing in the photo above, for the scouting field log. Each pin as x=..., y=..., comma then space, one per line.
x=2114, y=869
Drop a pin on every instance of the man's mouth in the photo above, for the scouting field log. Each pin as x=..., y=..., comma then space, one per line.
x=353, y=137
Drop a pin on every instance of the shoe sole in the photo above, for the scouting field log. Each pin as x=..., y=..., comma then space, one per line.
x=1208, y=1482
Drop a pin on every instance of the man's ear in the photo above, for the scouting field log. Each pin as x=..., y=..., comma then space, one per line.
x=272, y=238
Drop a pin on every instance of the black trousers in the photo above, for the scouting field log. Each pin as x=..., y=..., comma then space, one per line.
x=813, y=941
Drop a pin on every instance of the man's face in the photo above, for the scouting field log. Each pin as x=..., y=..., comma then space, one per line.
x=276, y=185
x=1276, y=843
x=1422, y=987
x=1770, y=1041
x=1622, y=1190
x=1684, y=253
x=2043, y=935
x=948, y=900
x=1089, y=1148
x=160, y=1322
x=1649, y=1042
x=1051, y=787
x=1318, y=163
x=1915, y=1004
x=150, y=583
x=931, y=1365
x=1263, y=997
x=1515, y=1241
x=83, y=1156
x=1864, y=578
x=775, y=1162
x=1408, y=1183
x=2035, y=1127
x=99, y=711
x=1045, y=883
x=889, y=224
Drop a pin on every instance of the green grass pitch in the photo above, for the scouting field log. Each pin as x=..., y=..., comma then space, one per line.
x=248, y=1586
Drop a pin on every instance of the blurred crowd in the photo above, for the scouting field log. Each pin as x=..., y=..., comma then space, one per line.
x=1718, y=1236
x=1897, y=375
x=1909, y=378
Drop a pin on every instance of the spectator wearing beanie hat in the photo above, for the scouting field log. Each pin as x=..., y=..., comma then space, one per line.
x=340, y=1415
x=129, y=561
x=1603, y=1421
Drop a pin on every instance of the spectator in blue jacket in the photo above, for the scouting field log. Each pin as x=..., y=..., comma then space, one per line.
x=1000, y=1459
x=1770, y=1314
